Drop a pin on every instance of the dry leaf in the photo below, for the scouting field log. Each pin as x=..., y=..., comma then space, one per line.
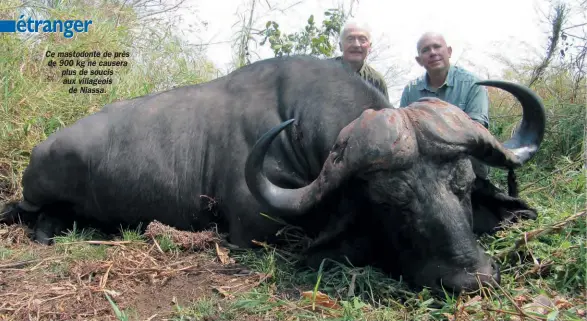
x=521, y=299
x=473, y=301
x=562, y=304
x=321, y=300
x=222, y=254
x=186, y=240
x=112, y=293
x=541, y=304
x=581, y=313
x=449, y=316
x=223, y=292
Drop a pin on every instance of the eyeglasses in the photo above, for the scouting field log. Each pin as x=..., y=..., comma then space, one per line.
x=351, y=39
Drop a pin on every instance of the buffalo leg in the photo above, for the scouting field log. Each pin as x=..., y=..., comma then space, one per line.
x=45, y=224
x=49, y=224
x=246, y=225
x=344, y=237
x=14, y=213
x=354, y=249
x=492, y=208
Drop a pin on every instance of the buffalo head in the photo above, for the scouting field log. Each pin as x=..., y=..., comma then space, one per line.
x=414, y=164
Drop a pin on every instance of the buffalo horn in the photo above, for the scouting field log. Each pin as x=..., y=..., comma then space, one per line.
x=529, y=134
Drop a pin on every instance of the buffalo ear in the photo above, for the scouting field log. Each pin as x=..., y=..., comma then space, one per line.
x=492, y=208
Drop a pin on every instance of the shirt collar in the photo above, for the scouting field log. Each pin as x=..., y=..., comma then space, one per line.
x=449, y=82
x=360, y=71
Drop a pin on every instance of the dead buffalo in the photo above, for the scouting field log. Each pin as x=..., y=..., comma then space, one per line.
x=298, y=138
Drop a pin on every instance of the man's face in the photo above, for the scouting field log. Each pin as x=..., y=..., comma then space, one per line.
x=355, y=45
x=433, y=53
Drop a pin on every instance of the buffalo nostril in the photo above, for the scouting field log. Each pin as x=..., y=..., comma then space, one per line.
x=487, y=274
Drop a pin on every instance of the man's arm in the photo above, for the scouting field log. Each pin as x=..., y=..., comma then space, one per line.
x=404, y=100
x=383, y=88
x=375, y=78
x=477, y=106
x=379, y=82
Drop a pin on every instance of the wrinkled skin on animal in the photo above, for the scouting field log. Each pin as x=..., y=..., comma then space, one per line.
x=390, y=187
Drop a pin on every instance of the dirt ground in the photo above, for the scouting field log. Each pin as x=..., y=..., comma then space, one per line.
x=68, y=282
x=73, y=279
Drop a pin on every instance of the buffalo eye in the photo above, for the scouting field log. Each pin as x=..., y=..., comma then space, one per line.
x=390, y=191
x=460, y=185
x=460, y=190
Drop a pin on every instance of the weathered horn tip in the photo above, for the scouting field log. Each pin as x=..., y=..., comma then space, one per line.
x=529, y=134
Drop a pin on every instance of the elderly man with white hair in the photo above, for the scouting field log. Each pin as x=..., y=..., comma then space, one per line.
x=355, y=44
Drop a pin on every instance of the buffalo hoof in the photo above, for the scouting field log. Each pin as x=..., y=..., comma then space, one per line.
x=44, y=224
x=518, y=215
x=47, y=227
x=316, y=253
x=11, y=214
x=354, y=250
x=225, y=243
x=8, y=214
x=325, y=258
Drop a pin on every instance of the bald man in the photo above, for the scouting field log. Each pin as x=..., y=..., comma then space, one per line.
x=355, y=44
x=450, y=83
x=445, y=81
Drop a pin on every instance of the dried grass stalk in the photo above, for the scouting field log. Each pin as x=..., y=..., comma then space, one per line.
x=186, y=240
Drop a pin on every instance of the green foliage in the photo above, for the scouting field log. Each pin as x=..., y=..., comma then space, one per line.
x=312, y=40
x=565, y=116
x=121, y=315
x=553, y=182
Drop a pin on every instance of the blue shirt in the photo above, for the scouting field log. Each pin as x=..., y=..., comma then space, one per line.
x=459, y=89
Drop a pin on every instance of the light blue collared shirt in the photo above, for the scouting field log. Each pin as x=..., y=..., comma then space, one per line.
x=459, y=89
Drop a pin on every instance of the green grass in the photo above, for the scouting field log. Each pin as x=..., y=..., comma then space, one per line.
x=202, y=309
x=8, y=254
x=122, y=315
x=132, y=235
